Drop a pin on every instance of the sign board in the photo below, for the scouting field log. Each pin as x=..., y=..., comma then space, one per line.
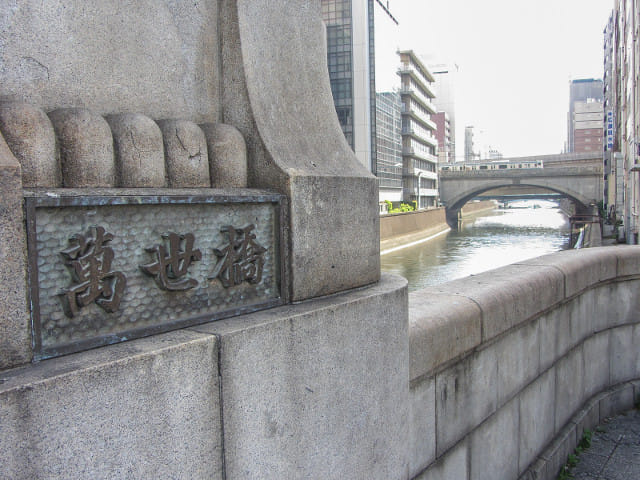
x=610, y=130
x=109, y=268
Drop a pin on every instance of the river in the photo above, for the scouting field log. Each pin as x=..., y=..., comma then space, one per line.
x=493, y=239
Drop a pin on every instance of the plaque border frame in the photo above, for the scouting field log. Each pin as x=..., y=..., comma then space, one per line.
x=34, y=199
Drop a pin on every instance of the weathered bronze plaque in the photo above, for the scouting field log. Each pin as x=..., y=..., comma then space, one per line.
x=109, y=268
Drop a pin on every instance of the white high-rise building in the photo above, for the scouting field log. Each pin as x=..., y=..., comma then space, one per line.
x=419, y=144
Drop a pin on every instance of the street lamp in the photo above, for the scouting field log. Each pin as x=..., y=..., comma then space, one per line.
x=419, y=175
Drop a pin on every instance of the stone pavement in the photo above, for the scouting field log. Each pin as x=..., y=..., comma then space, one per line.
x=615, y=450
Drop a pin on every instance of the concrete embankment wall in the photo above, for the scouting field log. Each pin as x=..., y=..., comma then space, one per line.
x=402, y=229
x=509, y=367
x=397, y=229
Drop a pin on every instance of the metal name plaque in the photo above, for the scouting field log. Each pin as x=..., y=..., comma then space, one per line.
x=109, y=268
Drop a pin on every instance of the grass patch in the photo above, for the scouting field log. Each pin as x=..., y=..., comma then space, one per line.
x=574, y=458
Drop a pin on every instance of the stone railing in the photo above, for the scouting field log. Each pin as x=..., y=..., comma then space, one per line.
x=564, y=170
x=508, y=368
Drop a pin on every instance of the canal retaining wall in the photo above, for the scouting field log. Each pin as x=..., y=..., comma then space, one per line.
x=403, y=229
x=509, y=367
x=398, y=230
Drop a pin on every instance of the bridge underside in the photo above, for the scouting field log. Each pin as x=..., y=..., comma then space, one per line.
x=505, y=192
x=520, y=190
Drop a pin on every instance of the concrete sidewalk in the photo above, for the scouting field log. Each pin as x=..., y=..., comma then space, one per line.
x=614, y=453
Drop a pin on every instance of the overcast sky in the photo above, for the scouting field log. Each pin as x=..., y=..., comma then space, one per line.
x=515, y=58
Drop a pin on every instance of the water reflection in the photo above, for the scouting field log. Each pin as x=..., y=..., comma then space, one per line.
x=530, y=229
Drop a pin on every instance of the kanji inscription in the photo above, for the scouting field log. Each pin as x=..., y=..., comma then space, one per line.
x=241, y=259
x=89, y=261
x=172, y=263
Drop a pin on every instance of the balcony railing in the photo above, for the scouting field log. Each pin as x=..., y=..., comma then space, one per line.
x=421, y=155
x=424, y=192
x=427, y=139
x=419, y=116
x=417, y=76
x=408, y=67
x=425, y=174
x=423, y=119
x=421, y=136
x=419, y=98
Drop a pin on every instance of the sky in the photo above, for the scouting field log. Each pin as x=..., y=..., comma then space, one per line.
x=515, y=59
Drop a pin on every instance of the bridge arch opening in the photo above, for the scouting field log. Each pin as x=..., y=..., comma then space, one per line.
x=454, y=206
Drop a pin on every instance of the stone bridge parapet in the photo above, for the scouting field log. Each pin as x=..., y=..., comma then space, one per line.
x=509, y=367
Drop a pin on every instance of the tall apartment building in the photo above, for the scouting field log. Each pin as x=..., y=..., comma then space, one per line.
x=622, y=116
x=581, y=92
x=350, y=56
x=446, y=78
x=389, y=145
x=419, y=145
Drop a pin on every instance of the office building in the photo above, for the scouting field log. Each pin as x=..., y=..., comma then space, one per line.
x=613, y=177
x=622, y=119
x=350, y=57
x=419, y=145
x=587, y=126
x=446, y=78
x=443, y=135
x=389, y=146
x=582, y=92
x=469, y=146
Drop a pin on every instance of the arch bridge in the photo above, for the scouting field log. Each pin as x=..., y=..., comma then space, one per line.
x=578, y=177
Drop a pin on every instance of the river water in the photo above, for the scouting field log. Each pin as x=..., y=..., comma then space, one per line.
x=494, y=239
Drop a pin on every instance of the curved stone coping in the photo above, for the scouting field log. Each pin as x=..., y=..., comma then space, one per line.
x=451, y=320
x=502, y=361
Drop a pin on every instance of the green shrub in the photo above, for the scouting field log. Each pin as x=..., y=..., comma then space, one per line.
x=404, y=207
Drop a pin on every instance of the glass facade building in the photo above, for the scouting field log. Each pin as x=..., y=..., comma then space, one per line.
x=350, y=52
x=389, y=145
x=337, y=17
